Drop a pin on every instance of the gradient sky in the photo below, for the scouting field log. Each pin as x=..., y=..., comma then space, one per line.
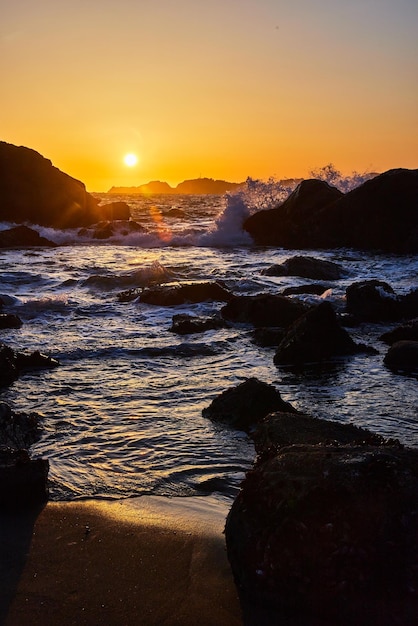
x=224, y=88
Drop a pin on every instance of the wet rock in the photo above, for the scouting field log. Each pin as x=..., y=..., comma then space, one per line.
x=34, y=360
x=18, y=430
x=242, y=407
x=8, y=320
x=285, y=225
x=23, y=481
x=13, y=363
x=402, y=356
x=8, y=369
x=306, y=267
x=315, y=289
x=173, y=295
x=372, y=301
x=115, y=211
x=316, y=336
x=405, y=331
x=107, y=229
x=23, y=237
x=267, y=337
x=264, y=310
x=184, y=324
x=328, y=534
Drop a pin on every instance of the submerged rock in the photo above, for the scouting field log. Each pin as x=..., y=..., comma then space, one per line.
x=184, y=324
x=8, y=320
x=23, y=237
x=306, y=267
x=408, y=331
x=173, y=295
x=316, y=336
x=264, y=310
x=242, y=407
x=402, y=356
x=13, y=363
x=267, y=337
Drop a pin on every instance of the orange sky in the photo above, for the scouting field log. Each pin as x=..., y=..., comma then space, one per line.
x=224, y=89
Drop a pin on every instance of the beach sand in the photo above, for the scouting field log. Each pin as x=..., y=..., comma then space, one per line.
x=140, y=561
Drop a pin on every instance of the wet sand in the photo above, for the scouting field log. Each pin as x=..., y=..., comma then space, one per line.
x=143, y=561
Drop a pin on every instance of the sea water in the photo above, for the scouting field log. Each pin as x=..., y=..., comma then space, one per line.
x=122, y=414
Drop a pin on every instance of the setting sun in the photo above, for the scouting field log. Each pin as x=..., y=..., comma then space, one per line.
x=130, y=159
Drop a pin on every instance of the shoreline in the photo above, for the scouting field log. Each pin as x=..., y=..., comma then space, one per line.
x=147, y=561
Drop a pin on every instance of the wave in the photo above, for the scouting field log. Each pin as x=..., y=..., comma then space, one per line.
x=153, y=274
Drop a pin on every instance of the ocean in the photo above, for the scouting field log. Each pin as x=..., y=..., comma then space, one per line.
x=122, y=414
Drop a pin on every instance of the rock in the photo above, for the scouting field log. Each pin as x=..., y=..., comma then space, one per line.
x=23, y=482
x=242, y=407
x=279, y=430
x=23, y=237
x=18, y=430
x=173, y=295
x=379, y=215
x=403, y=356
x=184, y=324
x=34, y=360
x=8, y=370
x=267, y=337
x=13, y=363
x=33, y=190
x=406, y=331
x=306, y=267
x=176, y=213
x=263, y=310
x=115, y=211
x=316, y=336
x=372, y=301
x=106, y=229
x=285, y=225
x=8, y=320
x=315, y=289
x=409, y=304
x=328, y=534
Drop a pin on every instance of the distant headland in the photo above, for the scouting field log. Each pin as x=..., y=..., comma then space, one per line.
x=197, y=186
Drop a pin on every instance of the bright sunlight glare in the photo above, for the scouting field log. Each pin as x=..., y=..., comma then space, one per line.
x=130, y=159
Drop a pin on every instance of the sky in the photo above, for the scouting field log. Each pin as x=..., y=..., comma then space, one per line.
x=222, y=89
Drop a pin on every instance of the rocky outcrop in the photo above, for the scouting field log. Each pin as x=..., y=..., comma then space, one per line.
x=306, y=267
x=405, y=331
x=8, y=320
x=106, y=229
x=23, y=237
x=267, y=337
x=316, y=336
x=315, y=289
x=376, y=301
x=14, y=363
x=402, y=356
x=285, y=225
x=33, y=190
x=243, y=406
x=381, y=214
x=184, y=324
x=174, y=295
x=264, y=310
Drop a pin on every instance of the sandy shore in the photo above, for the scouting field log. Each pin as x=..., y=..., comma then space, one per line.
x=142, y=561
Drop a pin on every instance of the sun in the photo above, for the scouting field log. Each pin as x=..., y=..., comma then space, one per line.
x=130, y=159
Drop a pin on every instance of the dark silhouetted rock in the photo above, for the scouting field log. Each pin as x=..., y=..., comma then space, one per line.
x=176, y=213
x=243, y=406
x=173, y=295
x=285, y=225
x=409, y=304
x=8, y=320
x=33, y=190
x=406, y=331
x=13, y=363
x=184, y=324
x=18, y=430
x=23, y=237
x=315, y=289
x=402, y=356
x=106, y=229
x=23, y=482
x=306, y=267
x=115, y=211
x=267, y=337
x=8, y=370
x=372, y=301
x=263, y=310
x=328, y=535
x=34, y=360
x=381, y=214
x=315, y=336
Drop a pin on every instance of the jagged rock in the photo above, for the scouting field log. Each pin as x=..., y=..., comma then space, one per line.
x=321, y=535
x=372, y=300
x=184, y=324
x=172, y=295
x=106, y=229
x=408, y=331
x=267, y=337
x=34, y=360
x=403, y=356
x=306, y=267
x=23, y=237
x=315, y=336
x=18, y=430
x=13, y=363
x=243, y=406
x=263, y=310
x=8, y=320
x=115, y=211
x=8, y=370
x=23, y=482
